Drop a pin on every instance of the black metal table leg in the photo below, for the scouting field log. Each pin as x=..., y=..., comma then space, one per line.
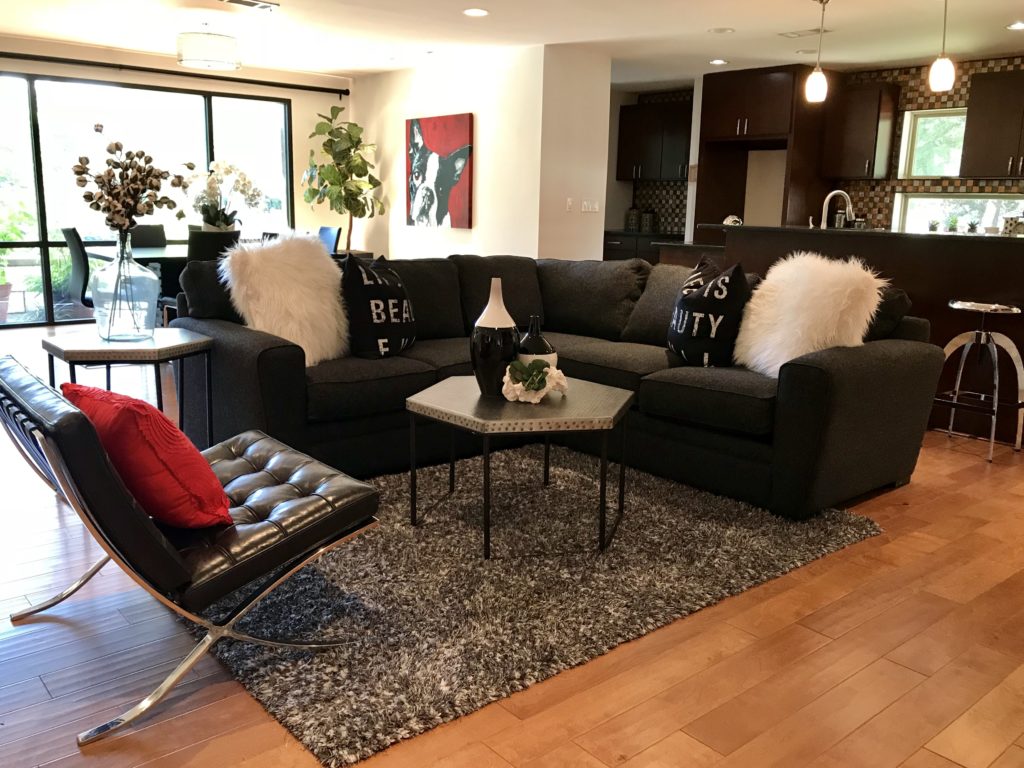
x=71, y=373
x=547, y=460
x=181, y=394
x=451, y=461
x=159, y=388
x=209, y=397
x=108, y=377
x=604, y=489
x=412, y=468
x=487, y=497
x=53, y=374
x=622, y=472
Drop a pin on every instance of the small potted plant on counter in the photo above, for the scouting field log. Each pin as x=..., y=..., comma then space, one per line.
x=951, y=224
x=972, y=227
x=933, y=225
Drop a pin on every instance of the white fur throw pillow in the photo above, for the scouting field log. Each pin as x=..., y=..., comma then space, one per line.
x=290, y=288
x=806, y=303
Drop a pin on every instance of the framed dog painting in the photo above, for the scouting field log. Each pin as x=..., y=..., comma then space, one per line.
x=439, y=171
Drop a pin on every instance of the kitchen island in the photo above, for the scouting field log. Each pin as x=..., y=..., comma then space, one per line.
x=933, y=269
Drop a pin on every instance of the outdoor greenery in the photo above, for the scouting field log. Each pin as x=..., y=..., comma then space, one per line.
x=938, y=144
x=344, y=181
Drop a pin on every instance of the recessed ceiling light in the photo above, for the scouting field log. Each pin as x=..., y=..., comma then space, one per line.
x=718, y=62
x=721, y=30
x=476, y=13
x=1016, y=25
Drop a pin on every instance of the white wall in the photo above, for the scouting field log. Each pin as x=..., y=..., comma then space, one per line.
x=619, y=195
x=304, y=104
x=574, y=152
x=503, y=88
x=691, y=187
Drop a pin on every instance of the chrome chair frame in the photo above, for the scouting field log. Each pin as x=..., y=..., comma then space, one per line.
x=214, y=632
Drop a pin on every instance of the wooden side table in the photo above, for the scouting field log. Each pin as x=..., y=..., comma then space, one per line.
x=167, y=344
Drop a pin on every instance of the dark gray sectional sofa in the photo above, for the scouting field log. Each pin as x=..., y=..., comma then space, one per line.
x=835, y=425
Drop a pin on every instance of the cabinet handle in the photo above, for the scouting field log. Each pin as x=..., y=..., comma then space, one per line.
x=1020, y=166
x=745, y=121
x=681, y=169
x=867, y=165
x=1009, y=166
x=670, y=244
x=614, y=242
x=640, y=173
x=737, y=126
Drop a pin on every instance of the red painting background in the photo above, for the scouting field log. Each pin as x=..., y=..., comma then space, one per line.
x=444, y=135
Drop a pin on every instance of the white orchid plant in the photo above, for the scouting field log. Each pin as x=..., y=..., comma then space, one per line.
x=221, y=192
x=530, y=382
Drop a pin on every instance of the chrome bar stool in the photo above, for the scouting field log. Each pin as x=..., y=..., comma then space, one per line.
x=991, y=341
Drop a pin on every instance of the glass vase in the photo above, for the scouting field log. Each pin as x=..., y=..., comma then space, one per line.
x=124, y=295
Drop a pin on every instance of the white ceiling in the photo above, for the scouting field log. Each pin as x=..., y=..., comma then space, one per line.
x=651, y=42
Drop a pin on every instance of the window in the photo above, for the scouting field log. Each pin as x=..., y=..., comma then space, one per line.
x=914, y=212
x=932, y=143
x=174, y=126
x=169, y=126
x=21, y=283
x=252, y=135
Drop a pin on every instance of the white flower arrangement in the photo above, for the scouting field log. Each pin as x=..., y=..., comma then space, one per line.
x=223, y=188
x=531, y=383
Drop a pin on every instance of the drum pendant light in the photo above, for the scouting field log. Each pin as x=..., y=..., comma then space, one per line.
x=816, y=86
x=942, y=74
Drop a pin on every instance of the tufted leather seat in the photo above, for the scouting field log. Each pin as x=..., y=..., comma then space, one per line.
x=283, y=503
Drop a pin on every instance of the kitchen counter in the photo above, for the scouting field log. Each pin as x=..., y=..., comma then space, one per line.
x=960, y=236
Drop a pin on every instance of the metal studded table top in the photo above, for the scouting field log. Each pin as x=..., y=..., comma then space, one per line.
x=87, y=346
x=586, y=406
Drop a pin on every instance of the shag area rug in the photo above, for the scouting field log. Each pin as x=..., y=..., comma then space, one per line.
x=437, y=632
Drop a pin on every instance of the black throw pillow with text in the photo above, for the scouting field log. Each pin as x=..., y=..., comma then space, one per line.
x=707, y=315
x=380, y=315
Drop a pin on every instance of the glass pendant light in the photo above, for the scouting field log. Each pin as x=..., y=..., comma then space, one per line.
x=942, y=74
x=816, y=86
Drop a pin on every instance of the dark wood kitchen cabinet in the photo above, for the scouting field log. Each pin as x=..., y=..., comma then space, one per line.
x=860, y=123
x=748, y=103
x=654, y=141
x=994, y=136
x=640, y=142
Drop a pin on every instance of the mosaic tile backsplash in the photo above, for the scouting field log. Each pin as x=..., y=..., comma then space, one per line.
x=874, y=199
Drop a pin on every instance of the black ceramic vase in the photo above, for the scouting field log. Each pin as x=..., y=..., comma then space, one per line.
x=533, y=345
x=494, y=343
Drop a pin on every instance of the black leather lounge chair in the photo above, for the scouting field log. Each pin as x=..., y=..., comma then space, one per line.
x=287, y=508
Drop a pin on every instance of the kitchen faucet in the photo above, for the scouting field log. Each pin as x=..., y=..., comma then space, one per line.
x=828, y=199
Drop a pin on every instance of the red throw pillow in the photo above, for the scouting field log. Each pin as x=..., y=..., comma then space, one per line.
x=159, y=465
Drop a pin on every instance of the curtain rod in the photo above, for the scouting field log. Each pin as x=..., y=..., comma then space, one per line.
x=158, y=71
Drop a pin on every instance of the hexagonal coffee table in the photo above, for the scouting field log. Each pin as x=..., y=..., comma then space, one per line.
x=587, y=407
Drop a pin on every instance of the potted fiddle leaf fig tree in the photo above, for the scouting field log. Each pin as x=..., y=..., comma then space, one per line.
x=344, y=179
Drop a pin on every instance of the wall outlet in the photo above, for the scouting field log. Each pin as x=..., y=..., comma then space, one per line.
x=568, y=204
x=590, y=206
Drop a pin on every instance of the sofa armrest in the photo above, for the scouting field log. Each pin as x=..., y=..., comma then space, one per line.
x=912, y=329
x=259, y=382
x=849, y=420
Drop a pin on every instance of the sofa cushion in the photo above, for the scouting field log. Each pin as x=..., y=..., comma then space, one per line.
x=731, y=399
x=520, y=286
x=707, y=315
x=354, y=386
x=591, y=298
x=206, y=297
x=433, y=289
x=615, y=363
x=649, y=322
x=380, y=315
x=450, y=357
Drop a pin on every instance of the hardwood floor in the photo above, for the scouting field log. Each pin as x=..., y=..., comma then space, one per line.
x=903, y=650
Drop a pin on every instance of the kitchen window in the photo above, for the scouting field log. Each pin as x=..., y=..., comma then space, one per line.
x=933, y=141
x=914, y=212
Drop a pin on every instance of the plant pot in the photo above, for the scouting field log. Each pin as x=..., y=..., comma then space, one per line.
x=215, y=228
x=5, y=297
x=494, y=343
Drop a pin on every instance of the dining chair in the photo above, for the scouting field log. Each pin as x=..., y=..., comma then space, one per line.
x=330, y=236
x=210, y=246
x=287, y=510
x=148, y=236
x=78, y=284
x=268, y=236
